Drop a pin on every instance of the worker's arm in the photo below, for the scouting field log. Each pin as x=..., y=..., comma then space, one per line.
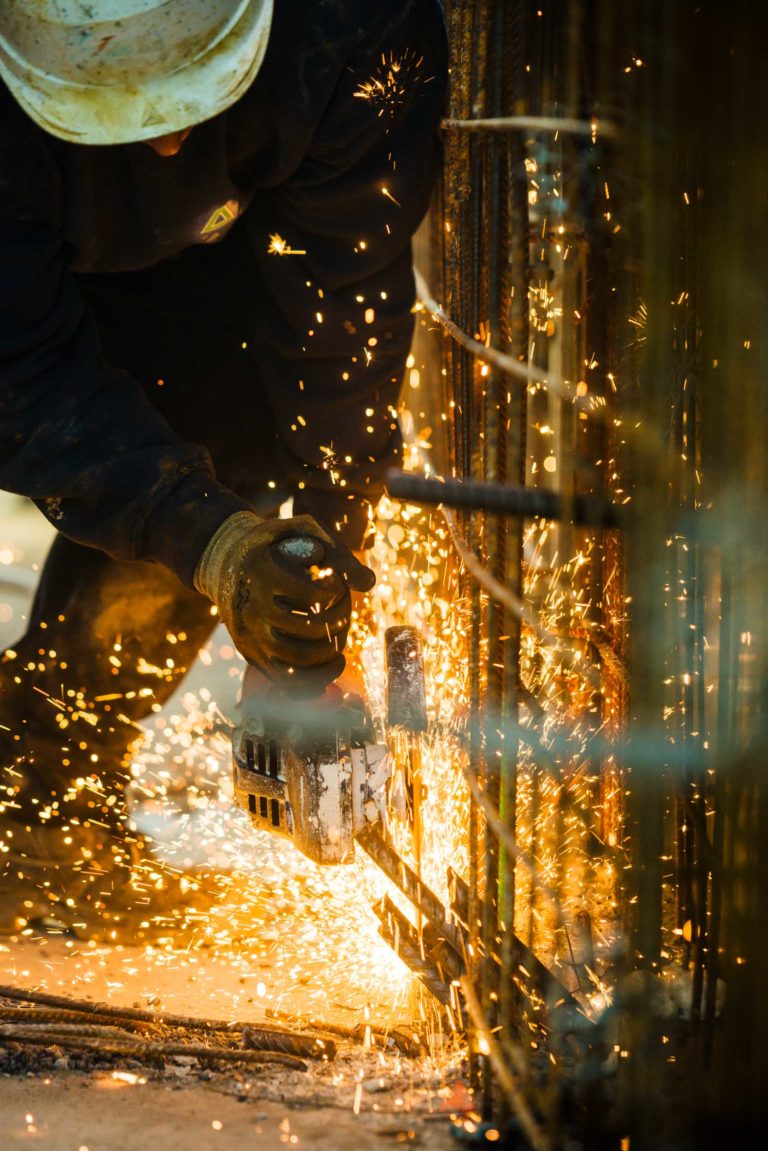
x=76, y=435
x=336, y=328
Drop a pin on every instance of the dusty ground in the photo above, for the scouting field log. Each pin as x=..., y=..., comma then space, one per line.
x=71, y=1113
x=366, y=1099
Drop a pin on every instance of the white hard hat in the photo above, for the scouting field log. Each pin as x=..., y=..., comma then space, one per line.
x=115, y=71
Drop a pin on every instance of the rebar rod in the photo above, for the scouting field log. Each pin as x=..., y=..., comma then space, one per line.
x=33, y=1015
x=529, y=123
x=135, y=1049
x=407, y=1042
x=515, y=337
x=476, y=495
x=416, y=891
x=157, y=1018
x=403, y=938
x=493, y=403
x=304, y=1046
x=74, y=1030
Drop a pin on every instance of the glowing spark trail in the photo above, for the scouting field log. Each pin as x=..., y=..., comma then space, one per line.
x=280, y=247
x=388, y=88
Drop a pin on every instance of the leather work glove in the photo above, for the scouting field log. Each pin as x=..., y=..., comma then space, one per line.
x=282, y=588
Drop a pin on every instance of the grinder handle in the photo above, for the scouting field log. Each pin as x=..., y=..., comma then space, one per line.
x=306, y=549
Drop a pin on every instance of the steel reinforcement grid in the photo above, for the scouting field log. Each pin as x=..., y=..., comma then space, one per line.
x=596, y=299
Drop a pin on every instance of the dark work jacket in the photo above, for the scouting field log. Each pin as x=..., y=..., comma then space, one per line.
x=333, y=150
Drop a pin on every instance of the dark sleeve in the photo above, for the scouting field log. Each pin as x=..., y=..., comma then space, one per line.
x=336, y=329
x=76, y=435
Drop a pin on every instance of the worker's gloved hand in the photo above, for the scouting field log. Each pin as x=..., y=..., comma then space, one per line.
x=287, y=605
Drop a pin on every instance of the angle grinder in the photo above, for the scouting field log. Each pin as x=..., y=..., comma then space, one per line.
x=312, y=770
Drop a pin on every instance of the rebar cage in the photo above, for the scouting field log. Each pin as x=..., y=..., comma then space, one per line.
x=597, y=299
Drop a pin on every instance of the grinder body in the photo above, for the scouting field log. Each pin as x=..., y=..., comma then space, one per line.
x=311, y=770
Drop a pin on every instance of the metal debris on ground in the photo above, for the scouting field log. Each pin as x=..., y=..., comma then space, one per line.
x=64, y=1022
x=407, y=1042
x=93, y=1039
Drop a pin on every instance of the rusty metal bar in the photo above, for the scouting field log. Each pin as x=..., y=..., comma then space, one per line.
x=413, y=888
x=138, y=1049
x=85, y=1008
x=529, y=123
x=501, y=498
x=404, y=940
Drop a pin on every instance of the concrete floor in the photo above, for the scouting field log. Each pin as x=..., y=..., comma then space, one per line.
x=68, y=1113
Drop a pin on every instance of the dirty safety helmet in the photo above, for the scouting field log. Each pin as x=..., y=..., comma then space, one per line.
x=117, y=71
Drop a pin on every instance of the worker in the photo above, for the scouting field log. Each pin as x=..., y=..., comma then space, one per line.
x=206, y=291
